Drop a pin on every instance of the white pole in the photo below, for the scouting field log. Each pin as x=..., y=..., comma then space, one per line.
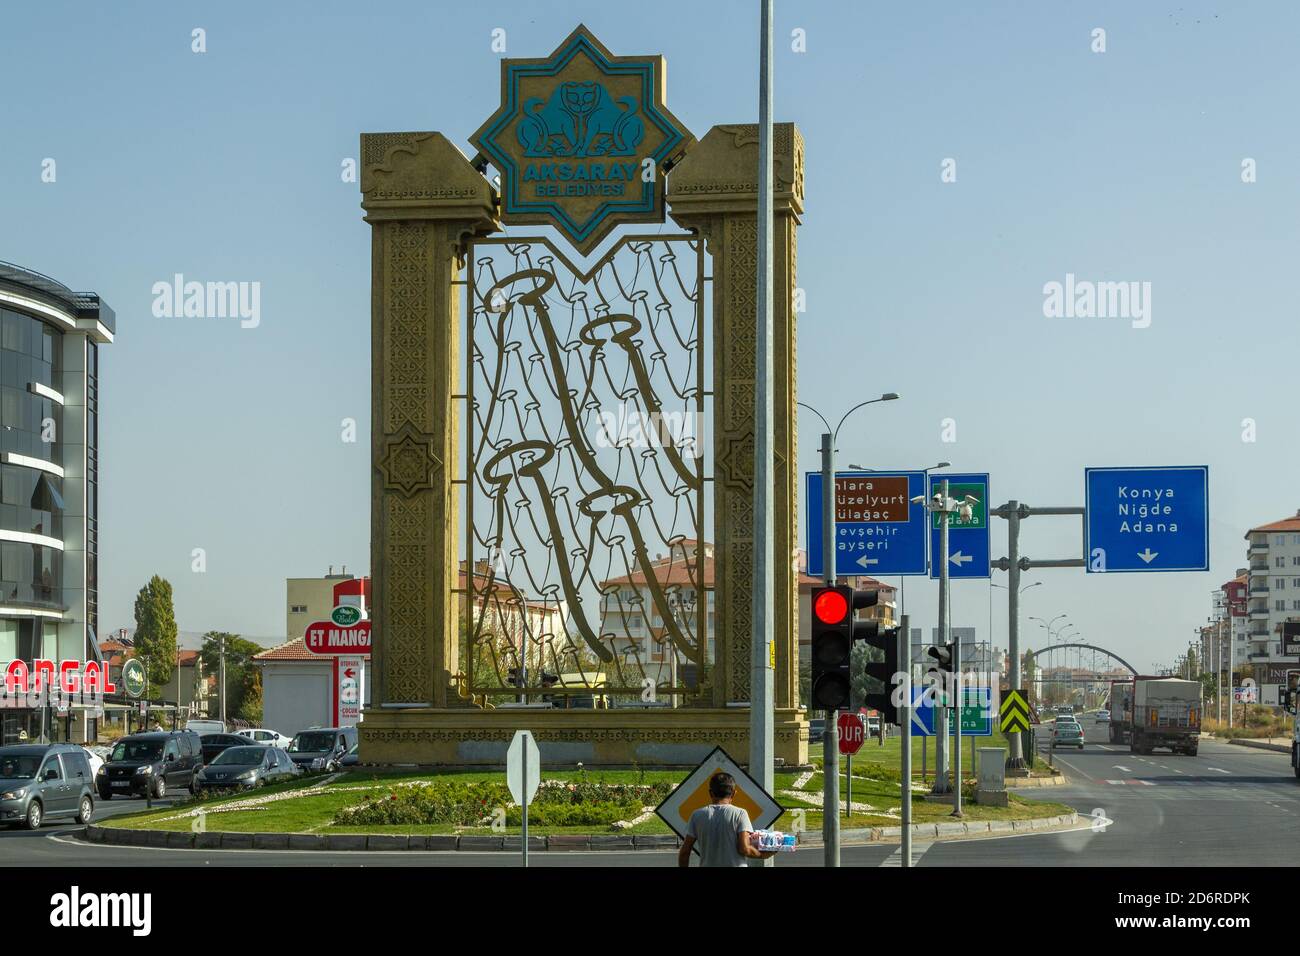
x=761, y=676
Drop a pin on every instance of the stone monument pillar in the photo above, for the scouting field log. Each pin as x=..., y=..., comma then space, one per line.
x=423, y=201
x=715, y=191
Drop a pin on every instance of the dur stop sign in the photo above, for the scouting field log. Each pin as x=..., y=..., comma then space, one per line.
x=853, y=732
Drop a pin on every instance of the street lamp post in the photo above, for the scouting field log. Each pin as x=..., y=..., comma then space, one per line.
x=830, y=736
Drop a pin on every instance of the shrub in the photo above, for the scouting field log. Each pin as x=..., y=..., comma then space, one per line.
x=585, y=803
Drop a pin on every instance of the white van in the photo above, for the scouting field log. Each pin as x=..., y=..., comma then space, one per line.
x=205, y=726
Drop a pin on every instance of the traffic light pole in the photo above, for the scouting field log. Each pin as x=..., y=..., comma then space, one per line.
x=905, y=712
x=944, y=584
x=1014, y=512
x=830, y=738
x=941, y=711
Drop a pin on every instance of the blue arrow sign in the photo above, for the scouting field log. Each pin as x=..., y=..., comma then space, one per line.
x=968, y=538
x=877, y=529
x=1147, y=519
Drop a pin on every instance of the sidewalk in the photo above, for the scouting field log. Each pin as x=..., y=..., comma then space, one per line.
x=1279, y=744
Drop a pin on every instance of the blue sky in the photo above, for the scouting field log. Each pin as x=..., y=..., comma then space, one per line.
x=1124, y=165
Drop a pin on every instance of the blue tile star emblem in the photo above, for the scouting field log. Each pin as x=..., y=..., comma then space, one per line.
x=582, y=140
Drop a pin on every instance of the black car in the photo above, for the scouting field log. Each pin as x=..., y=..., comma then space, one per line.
x=152, y=764
x=214, y=744
x=248, y=766
x=321, y=748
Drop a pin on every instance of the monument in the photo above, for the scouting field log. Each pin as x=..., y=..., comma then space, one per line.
x=562, y=494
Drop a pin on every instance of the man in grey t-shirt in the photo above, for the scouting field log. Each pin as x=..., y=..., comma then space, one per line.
x=721, y=830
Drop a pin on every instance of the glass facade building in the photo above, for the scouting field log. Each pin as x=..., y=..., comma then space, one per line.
x=49, y=470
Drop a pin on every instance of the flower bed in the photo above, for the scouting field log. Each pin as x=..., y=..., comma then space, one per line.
x=557, y=804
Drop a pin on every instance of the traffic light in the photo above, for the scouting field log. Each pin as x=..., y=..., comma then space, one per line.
x=883, y=671
x=939, y=675
x=515, y=678
x=833, y=634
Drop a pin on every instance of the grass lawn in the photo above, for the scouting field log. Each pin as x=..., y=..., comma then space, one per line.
x=315, y=813
x=885, y=759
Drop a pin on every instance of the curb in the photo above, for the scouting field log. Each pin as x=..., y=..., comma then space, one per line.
x=361, y=842
x=208, y=840
x=1260, y=745
x=1013, y=783
x=938, y=831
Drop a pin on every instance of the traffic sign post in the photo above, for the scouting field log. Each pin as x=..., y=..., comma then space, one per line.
x=1147, y=519
x=968, y=535
x=523, y=776
x=853, y=731
x=877, y=528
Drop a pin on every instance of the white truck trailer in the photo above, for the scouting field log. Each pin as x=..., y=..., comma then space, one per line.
x=1166, y=713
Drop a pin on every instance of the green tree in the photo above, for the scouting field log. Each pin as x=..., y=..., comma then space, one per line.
x=250, y=705
x=155, y=631
x=240, y=670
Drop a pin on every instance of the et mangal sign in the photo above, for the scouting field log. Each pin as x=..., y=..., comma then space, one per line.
x=332, y=640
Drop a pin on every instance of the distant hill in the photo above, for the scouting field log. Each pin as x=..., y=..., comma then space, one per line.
x=193, y=640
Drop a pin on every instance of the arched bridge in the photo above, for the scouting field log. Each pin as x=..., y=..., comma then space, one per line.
x=1089, y=647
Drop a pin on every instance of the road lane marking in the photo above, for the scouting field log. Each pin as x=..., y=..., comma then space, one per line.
x=1217, y=770
x=1125, y=769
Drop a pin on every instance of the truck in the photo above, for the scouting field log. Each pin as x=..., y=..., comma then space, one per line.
x=1121, y=711
x=1166, y=713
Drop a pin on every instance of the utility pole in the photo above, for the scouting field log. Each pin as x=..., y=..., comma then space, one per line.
x=761, y=682
x=221, y=678
x=830, y=737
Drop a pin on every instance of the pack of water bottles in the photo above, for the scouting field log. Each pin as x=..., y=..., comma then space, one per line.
x=772, y=841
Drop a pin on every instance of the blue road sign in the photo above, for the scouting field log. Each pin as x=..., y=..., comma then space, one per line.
x=877, y=528
x=976, y=714
x=968, y=538
x=1147, y=519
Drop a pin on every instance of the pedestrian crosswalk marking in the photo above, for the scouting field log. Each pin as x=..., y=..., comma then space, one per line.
x=896, y=858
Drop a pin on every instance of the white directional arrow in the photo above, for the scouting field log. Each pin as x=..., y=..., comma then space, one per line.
x=1125, y=769
x=864, y=561
x=959, y=559
x=1148, y=555
x=917, y=722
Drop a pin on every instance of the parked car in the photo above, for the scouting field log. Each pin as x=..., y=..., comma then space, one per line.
x=816, y=730
x=261, y=735
x=320, y=748
x=248, y=766
x=95, y=759
x=202, y=727
x=213, y=744
x=151, y=763
x=40, y=781
x=1068, y=733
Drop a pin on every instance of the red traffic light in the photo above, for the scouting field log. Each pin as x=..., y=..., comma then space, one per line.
x=831, y=606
